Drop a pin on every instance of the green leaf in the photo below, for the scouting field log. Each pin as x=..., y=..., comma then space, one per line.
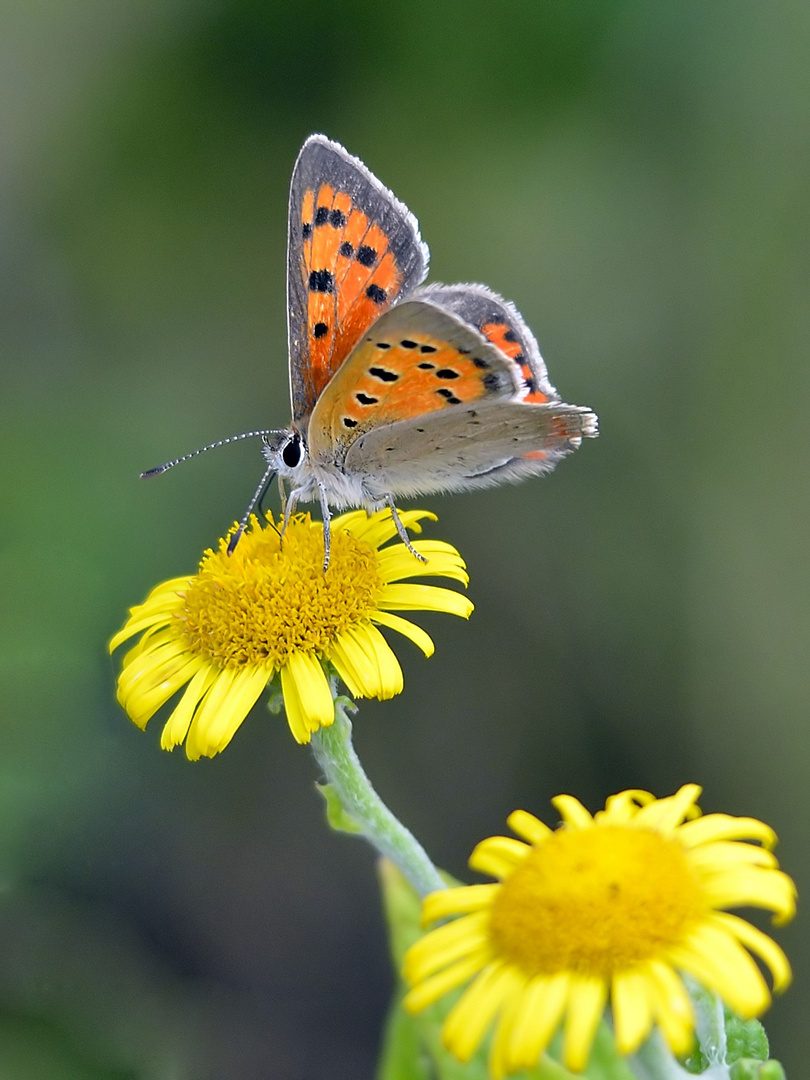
x=403, y=1056
x=336, y=815
x=751, y=1069
x=745, y=1038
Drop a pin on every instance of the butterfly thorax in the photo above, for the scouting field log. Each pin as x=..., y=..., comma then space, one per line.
x=312, y=480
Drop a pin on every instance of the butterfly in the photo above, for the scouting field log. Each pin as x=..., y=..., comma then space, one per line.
x=397, y=389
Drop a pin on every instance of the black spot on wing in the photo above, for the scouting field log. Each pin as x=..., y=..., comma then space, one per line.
x=480, y=363
x=337, y=219
x=383, y=374
x=322, y=215
x=319, y=329
x=306, y=230
x=375, y=293
x=426, y=365
x=366, y=255
x=348, y=422
x=346, y=249
x=406, y=343
x=449, y=396
x=427, y=348
x=322, y=281
x=446, y=373
x=364, y=399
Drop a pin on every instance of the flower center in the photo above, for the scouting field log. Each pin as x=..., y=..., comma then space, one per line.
x=595, y=901
x=267, y=600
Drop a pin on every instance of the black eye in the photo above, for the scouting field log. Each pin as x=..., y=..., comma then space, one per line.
x=291, y=454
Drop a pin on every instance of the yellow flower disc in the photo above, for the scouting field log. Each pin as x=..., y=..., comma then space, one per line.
x=595, y=901
x=263, y=602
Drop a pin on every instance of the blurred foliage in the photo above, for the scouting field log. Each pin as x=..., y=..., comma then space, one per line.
x=634, y=175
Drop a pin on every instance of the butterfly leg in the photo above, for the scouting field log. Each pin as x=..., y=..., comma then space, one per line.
x=289, y=505
x=282, y=493
x=327, y=530
x=403, y=532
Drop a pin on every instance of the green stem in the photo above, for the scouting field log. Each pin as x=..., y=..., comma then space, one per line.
x=334, y=752
x=654, y=1061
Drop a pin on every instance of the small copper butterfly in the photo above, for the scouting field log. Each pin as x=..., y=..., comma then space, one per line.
x=397, y=390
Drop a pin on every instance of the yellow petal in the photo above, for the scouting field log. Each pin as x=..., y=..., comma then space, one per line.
x=498, y=855
x=541, y=1009
x=243, y=695
x=379, y=652
x=313, y=695
x=378, y=528
x=468, y=1020
x=717, y=960
x=672, y=1007
x=586, y=1003
x=176, y=727
x=757, y=942
x=572, y=811
x=664, y=815
x=725, y=827
x=502, y=1040
x=424, y=598
x=292, y=706
x=744, y=885
x=360, y=675
x=143, y=701
x=134, y=626
x=408, y=629
x=528, y=827
x=397, y=563
x=453, y=976
x=438, y=905
x=445, y=945
x=197, y=742
x=632, y=1010
x=726, y=853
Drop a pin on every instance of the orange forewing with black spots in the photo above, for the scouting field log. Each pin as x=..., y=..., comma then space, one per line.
x=415, y=361
x=353, y=250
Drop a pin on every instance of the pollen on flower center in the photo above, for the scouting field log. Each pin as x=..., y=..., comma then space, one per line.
x=595, y=901
x=268, y=599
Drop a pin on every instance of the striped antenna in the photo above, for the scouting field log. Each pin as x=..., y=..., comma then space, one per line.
x=159, y=469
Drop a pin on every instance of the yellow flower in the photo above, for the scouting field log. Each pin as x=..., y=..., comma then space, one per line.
x=269, y=607
x=616, y=906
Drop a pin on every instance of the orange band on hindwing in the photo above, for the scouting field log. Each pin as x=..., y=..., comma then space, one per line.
x=502, y=335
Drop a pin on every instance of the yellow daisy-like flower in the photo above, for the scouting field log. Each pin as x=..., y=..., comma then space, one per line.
x=269, y=607
x=615, y=906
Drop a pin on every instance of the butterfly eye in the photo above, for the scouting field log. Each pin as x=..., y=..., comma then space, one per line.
x=291, y=454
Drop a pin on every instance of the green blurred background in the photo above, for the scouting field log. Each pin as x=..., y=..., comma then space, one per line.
x=634, y=174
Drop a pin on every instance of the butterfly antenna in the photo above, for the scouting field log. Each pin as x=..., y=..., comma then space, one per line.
x=196, y=453
x=258, y=495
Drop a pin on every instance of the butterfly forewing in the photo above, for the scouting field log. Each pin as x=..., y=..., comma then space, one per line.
x=415, y=361
x=353, y=250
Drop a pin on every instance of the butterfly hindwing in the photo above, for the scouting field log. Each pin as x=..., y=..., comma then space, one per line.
x=501, y=323
x=415, y=361
x=468, y=447
x=353, y=250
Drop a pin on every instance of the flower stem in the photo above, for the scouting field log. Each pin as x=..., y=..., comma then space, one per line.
x=654, y=1061
x=334, y=752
